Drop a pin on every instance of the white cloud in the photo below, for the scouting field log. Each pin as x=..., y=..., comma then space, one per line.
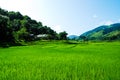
x=57, y=28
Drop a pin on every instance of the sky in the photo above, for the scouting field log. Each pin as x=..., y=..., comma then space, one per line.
x=73, y=16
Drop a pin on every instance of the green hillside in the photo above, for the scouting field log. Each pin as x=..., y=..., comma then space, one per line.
x=111, y=32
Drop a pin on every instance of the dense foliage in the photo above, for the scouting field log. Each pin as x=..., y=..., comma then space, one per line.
x=16, y=28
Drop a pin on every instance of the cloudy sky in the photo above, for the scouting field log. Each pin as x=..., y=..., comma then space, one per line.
x=73, y=16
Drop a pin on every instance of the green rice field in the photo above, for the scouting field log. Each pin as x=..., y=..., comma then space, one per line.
x=61, y=61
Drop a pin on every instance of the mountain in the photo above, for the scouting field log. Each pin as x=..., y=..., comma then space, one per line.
x=105, y=32
x=73, y=37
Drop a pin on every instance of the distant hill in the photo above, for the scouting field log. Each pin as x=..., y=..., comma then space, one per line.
x=105, y=32
x=73, y=37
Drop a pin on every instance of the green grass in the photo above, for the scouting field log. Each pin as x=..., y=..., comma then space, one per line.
x=61, y=61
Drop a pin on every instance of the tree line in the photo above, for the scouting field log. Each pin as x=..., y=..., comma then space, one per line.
x=16, y=28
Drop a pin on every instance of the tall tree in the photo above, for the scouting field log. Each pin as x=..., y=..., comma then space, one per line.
x=3, y=28
x=63, y=35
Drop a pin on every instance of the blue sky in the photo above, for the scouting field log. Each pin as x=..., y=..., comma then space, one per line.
x=73, y=16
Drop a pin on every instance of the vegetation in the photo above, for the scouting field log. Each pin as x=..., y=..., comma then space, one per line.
x=16, y=28
x=63, y=35
x=48, y=55
x=111, y=32
x=61, y=61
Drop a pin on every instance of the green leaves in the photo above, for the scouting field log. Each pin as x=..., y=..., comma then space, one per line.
x=15, y=27
x=63, y=35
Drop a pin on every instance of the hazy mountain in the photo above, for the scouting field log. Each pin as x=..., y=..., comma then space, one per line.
x=105, y=32
x=73, y=37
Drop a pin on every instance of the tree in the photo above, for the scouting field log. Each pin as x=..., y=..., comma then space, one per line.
x=3, y=12
x=3, y=28
x=21, y=35
x=14, y=28
x=15, y=15
x=15, y=25
x=63, y=35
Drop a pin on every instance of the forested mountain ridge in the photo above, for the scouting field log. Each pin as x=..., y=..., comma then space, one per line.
x=73, y=37
x=15, y=28
x=105, y=32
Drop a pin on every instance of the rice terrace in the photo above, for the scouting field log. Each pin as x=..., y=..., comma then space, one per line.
x=58, y=60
